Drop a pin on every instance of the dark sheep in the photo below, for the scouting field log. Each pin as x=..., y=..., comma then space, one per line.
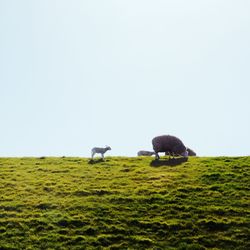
x=170, y=145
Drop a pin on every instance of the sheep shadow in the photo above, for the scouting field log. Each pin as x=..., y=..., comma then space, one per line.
x=168, y=162
x=92, y=161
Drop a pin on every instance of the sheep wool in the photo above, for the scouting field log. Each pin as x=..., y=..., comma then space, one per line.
x=169, y=144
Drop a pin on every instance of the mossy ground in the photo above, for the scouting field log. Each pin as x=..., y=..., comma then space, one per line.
x=125, y=203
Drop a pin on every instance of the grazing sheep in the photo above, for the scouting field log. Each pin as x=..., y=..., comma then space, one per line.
x=170, y=145
x=101, y=151
x=145, y=153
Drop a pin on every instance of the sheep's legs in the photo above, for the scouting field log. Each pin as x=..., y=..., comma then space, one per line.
x=157, y=157
x=92, y=155
x=172, y=156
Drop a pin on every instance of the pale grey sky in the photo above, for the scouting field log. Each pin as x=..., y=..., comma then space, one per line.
x=78, y=74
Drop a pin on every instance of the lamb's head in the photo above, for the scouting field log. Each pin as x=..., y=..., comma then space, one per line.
x=108, y=148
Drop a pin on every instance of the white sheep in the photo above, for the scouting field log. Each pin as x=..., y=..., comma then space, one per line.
x=145, y=153
x=101, y=151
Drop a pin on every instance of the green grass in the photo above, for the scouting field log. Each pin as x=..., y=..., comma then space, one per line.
x=124, y=203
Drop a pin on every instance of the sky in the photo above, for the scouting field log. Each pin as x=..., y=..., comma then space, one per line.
x=79, y=74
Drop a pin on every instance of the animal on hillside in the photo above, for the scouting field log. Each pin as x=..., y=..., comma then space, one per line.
x=145, y=153
x=170, y=145
x=101, y=151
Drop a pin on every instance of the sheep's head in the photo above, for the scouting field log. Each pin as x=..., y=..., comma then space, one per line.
x=184, y=154
x=108, y=147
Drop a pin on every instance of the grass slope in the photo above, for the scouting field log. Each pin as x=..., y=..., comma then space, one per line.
x=124, y=203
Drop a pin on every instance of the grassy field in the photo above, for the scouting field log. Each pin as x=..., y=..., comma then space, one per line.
x=125, y=203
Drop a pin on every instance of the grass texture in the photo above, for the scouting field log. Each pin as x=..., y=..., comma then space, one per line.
x=124, y=203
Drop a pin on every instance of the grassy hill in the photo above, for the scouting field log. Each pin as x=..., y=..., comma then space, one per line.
x=124, y=203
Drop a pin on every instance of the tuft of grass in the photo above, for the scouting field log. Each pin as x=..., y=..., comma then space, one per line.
x=125, y=203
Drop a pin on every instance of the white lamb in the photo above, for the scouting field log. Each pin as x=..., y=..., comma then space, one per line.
x=101, y=151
